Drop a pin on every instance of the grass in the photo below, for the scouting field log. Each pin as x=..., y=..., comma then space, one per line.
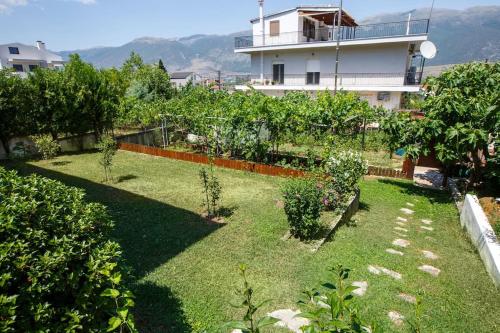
x=185, y=269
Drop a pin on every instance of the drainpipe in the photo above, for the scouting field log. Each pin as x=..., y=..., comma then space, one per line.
x=408, y=24
x=339, y=19
x=262, y=33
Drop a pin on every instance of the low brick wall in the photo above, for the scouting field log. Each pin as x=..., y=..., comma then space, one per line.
x=263, y=169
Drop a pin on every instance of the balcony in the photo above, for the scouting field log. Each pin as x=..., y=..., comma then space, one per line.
x=327, y=80
x=347, y=33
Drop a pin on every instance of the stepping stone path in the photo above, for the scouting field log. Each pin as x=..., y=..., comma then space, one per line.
x=430, y=255
x=407, y=211
x=426, y=228
x=430, y=269
x=396, y=317
x=401, y=224
x=363, y=286
x=377, y=270
x=288, y=320
x=408, y=298
x=410, y=204
x=402, y=219
x=427, y=222
x=392, y=251
x=400, y=229
x=401, y=242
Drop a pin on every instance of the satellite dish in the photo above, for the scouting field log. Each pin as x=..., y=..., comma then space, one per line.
x=428, y=50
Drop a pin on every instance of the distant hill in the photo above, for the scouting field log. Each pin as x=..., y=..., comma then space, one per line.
x=461, y=36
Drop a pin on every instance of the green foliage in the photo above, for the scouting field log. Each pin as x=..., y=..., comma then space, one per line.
x=331, y=309
x=47, y=146
x=58, y=271
x=344, y=168
x=14, y=107
x=212, y=190
x=302, y=199
x=463, y=115
x=249, y=324
x=107, y=147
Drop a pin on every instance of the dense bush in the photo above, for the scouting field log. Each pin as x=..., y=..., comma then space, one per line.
x=344, y=169
x=46, y=146
x=302, y=199
x=58, y=271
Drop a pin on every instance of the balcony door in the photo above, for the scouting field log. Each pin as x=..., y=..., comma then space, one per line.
x=279, y=73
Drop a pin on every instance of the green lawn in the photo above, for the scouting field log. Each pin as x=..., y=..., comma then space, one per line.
x=185, y=269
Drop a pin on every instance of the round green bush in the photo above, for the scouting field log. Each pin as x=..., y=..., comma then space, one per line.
x=302, y=199
x=58, y=270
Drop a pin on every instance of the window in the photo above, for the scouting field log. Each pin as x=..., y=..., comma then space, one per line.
x=313, y=77
x=279, y=73
x=309, y=29
x=383, y=96
x=13, y=50
x=18, y=68
x=274, y=28
x=33, y=67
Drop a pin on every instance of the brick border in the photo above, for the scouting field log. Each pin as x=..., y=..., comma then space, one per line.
x=264, y=169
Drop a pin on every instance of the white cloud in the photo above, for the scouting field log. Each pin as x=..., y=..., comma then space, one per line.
x=7, y=5
x=87, y=2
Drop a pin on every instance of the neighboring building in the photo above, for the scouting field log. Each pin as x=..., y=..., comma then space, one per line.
x=25, y=58
x=295, y=49
x=180, y=79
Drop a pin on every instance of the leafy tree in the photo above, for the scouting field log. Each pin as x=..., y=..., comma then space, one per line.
x=132, y=65
x=59, y=272
x=14, y=108
x=48, y=94
x=462, y=115
x=107, y=147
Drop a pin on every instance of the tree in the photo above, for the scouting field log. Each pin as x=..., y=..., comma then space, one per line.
x=462, y=112
x=48, y=96
x=161, y=66
x=107, y=147
x=14, y=107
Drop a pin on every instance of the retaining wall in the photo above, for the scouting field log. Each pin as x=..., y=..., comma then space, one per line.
x=474, y=220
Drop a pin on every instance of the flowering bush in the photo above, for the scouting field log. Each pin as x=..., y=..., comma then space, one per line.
x=344, y=169
x=303, y=206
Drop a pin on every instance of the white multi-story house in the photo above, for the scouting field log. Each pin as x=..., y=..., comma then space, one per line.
x=296, y=49
x=25, y=58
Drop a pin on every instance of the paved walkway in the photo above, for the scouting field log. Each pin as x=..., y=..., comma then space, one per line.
x=428, y=177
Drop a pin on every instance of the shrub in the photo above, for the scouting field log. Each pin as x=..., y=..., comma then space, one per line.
x=302, y=198
x=58, y=271
x=344, y=169
x=47, y=146
x=107, y=147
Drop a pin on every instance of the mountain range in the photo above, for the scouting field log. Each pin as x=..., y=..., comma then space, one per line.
x=460, y=35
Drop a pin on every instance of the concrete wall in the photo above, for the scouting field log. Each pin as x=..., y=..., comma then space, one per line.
x=289, y=27
x=366, y=59
x=476, y=223
x=70, y=144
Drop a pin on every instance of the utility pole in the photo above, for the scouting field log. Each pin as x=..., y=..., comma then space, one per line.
x=262, y=33
x=219, y=82
x=339, y=23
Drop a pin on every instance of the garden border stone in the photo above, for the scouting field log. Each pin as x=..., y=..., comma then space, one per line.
x=474, y=220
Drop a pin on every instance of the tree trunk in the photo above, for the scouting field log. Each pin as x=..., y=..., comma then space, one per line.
x=5, y=144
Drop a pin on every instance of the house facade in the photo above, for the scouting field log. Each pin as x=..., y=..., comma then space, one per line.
x=296, y=49
x=180, y=79
x=25, y=58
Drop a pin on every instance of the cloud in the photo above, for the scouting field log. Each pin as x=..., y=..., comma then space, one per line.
x=7, y=5
x=86, y=2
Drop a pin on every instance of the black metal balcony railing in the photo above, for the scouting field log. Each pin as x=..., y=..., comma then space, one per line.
x=327, y=80
x=368, y=31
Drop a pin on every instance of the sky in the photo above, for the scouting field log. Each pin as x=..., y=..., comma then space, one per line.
x=80, y=24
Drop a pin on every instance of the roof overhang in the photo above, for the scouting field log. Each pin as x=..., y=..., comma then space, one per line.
x=317, y=10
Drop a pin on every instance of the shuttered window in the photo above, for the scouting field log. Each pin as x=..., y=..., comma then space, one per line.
x=274, y=28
